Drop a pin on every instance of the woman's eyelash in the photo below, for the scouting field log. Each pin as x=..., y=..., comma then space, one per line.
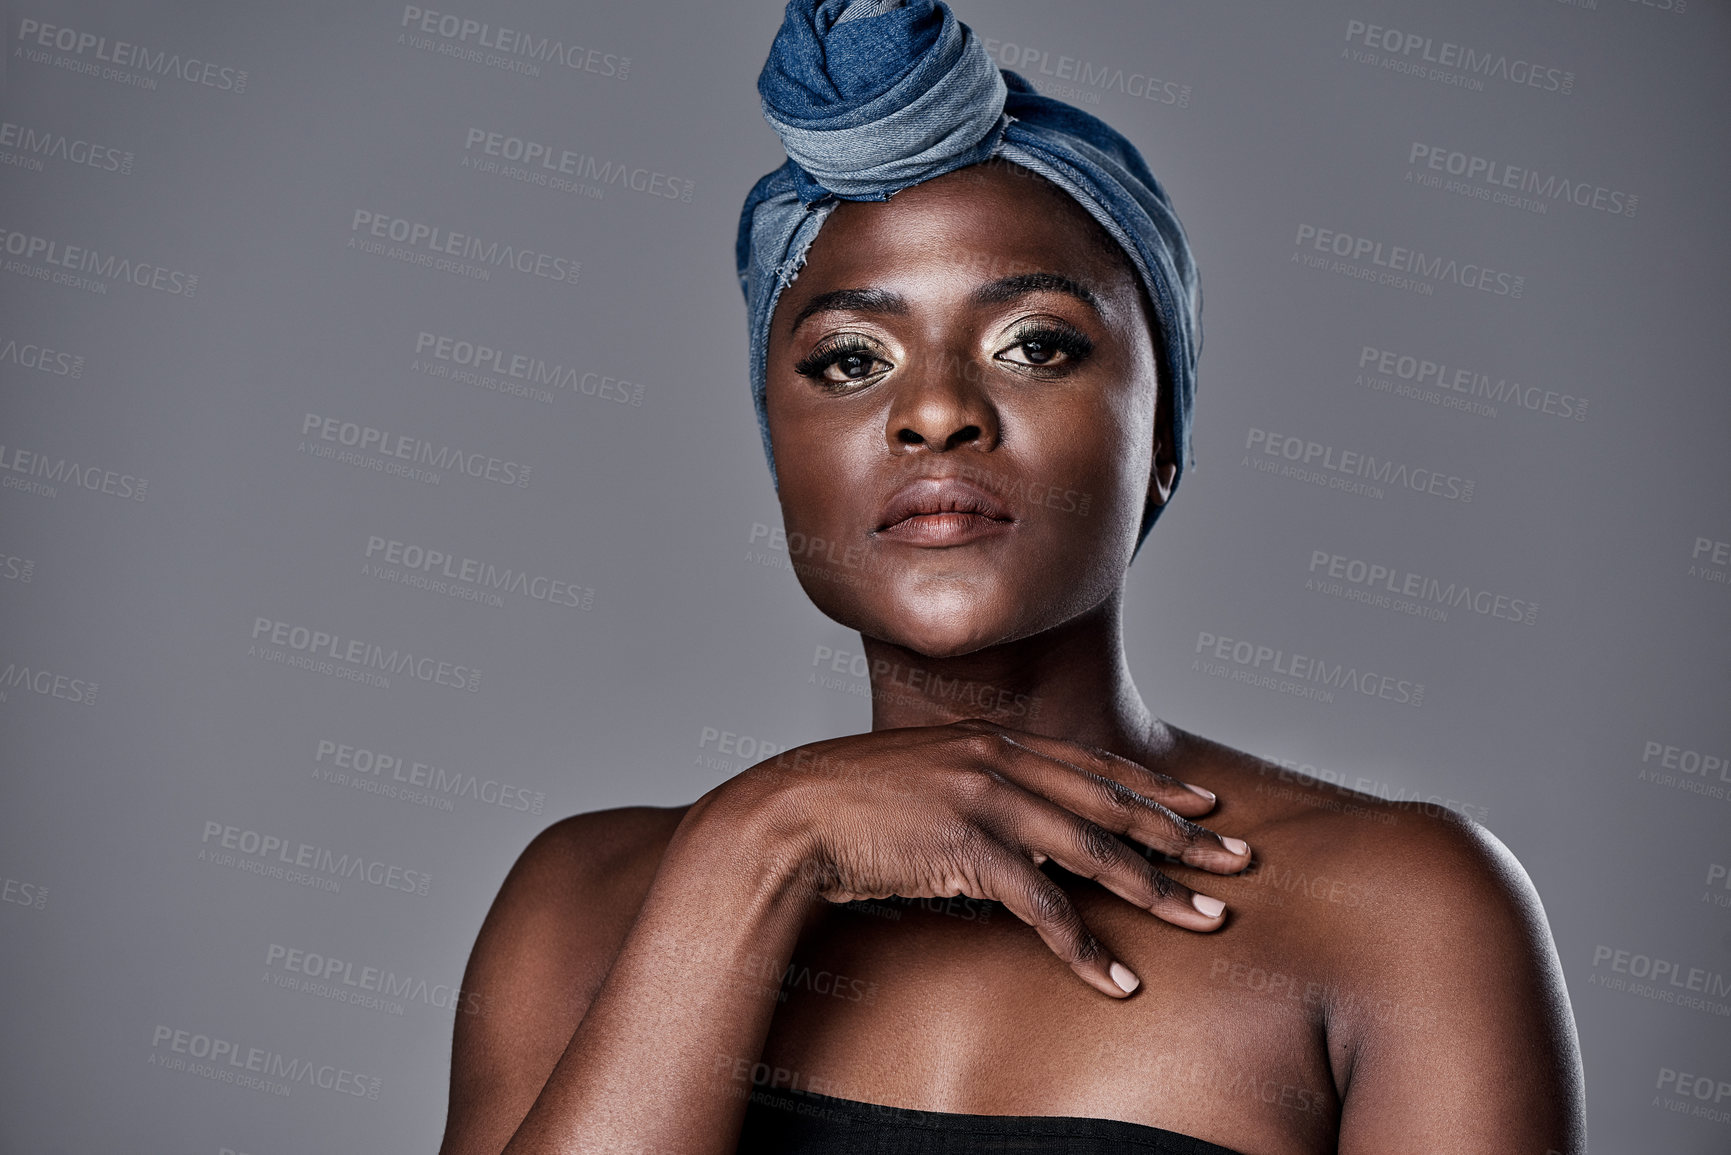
x=814, y=363
x=1052, y=339
x=1074, y=344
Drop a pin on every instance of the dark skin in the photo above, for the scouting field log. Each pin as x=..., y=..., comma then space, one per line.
x=1381, y=978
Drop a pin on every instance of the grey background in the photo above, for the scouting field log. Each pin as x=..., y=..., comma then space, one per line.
x=122, y=920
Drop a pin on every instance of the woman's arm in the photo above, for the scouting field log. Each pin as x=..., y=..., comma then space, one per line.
x=566, y=915
x=639, y=1073
x=953, y=810
x=1466, y=1045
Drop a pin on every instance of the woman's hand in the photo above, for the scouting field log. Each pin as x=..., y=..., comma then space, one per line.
x=973, y=808
x=969, y=808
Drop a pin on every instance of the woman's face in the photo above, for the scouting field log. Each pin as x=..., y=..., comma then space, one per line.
x=961, y=398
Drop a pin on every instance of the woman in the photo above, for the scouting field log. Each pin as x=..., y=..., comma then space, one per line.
x=975, y=393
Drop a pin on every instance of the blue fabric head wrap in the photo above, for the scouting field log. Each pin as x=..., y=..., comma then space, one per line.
x=871, y=96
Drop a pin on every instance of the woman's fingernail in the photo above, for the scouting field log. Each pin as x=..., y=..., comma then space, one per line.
x=1195, y=789
x=1208, y=906
x=1236, y=845
x=1124, y=977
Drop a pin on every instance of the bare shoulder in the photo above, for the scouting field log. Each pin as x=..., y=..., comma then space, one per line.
x=1433, y=962
x=1409, y=896
x=1425, y=857
x=568, y=901
x=543, y=950
x=591, y=857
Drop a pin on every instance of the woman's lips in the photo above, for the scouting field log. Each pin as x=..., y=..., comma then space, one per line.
x=942, y=511
x=939, y=529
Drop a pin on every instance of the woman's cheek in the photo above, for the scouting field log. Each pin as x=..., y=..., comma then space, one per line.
x=1107, y=478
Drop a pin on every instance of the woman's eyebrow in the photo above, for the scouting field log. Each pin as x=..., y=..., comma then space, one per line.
x=854, y=301
x=991, y=293
x=1009, y=288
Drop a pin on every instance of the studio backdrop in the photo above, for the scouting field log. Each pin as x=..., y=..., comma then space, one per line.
x=379, y=484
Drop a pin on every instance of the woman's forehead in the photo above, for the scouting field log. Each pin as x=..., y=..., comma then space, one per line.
x=983, y=222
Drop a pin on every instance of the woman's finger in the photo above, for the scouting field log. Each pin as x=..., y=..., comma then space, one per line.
x=1183, y=798
x=1110, y=802
x=1043, y=905
x=1038, y=826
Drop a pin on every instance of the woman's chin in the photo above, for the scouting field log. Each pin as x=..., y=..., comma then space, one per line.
x=937, y=632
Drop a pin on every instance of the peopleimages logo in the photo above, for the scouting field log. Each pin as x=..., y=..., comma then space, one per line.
x=1516, y=185
x=1348, y=469
x=1036, y=62
x=509, y=48
x=1665, y=980
x=16, y=569
x=82, y=267
x=1710, y=561
x=20, y=893
x=1693, y=763
x=1391, y=587
x=476, y=363
x=456, y=576
x=30, y=355
x=324, y=652
x=263, y=853
x=745, y=747
x=34, y=472
x=1424, y=377
x=1298, y=674
x=46, y=684
x=1401, y=267
x=1704, y=1089
x=90, y=52
x=344, y=981
x=434, y=246
x=1418, y=51
x=257, y=1068
x=1702, y=772
x=545, y=163
x=401, y=447
x=1718, y=891
x=392, y=775
x=27, y=147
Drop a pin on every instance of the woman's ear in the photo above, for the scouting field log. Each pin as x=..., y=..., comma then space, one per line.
x=1164, y=475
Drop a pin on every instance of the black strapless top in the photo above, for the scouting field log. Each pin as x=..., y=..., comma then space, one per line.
x=788, y=1123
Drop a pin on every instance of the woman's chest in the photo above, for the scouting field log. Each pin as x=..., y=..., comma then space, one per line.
x=955, y=1005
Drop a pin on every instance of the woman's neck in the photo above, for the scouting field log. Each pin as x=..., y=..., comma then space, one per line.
x=1071, y=682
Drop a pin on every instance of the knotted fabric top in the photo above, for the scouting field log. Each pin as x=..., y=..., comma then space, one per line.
x=871, y=96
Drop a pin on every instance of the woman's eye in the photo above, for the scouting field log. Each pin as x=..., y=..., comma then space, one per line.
x=1038, y=352
x=1047, y=349
x=851, y=367
x=842, y=365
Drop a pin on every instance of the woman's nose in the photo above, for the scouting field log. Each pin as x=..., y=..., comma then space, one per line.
x=941, y=405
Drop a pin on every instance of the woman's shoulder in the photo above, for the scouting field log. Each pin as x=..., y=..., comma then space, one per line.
x=571, y=895
x=585, y=874
x=1389, y=886
x=1412, y=934
x=602, y=845
x=1390, y=896
x=1413, y=842
x=544, y=949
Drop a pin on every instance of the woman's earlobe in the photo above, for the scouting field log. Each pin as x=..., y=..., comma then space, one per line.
x=1163, y=477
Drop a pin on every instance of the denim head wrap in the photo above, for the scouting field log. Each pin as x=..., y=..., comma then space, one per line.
x=871, y=96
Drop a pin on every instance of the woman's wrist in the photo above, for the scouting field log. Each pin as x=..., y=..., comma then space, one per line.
x=749, y=834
